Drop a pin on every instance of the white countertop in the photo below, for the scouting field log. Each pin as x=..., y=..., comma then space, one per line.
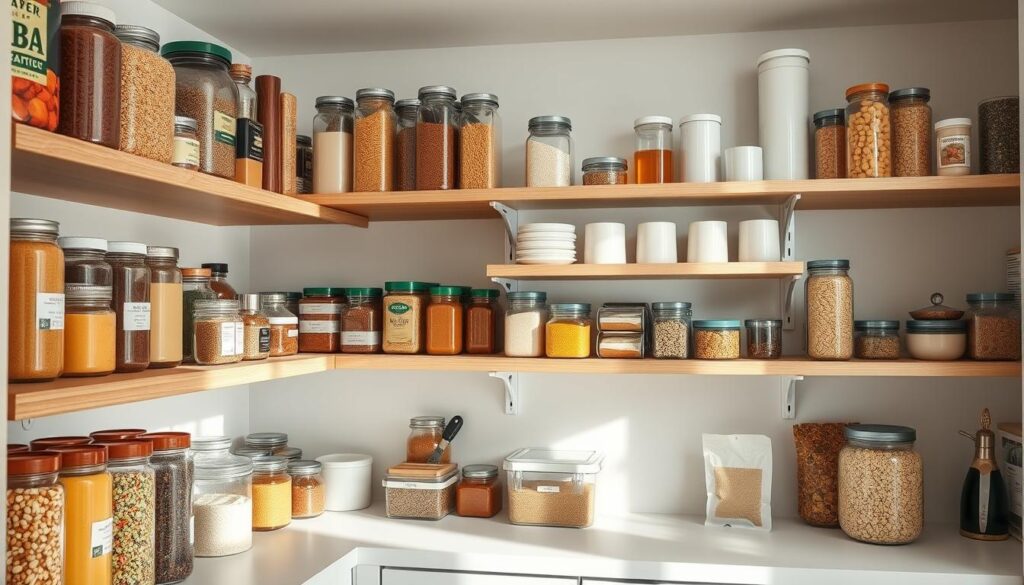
x=646, y=547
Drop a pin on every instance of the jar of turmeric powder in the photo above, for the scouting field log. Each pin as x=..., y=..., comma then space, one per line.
x=444, y=321
x=36, y=310
x=567, y=334
x=89, y=338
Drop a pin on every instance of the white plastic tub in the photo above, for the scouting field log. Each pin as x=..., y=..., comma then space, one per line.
x=347, y=481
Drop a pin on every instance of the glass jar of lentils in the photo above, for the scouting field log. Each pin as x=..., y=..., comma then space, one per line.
x=604, y=170
x=219, y=336
x=830, y=144
x=829, y=299
x=911, y=118
x=671, y=330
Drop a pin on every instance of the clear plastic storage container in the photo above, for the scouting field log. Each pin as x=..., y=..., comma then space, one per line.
x=993, y=327
x=425, y=491
x=552, y=488
x=221, y=498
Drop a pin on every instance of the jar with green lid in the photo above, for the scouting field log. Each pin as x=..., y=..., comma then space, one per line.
x=567, y=333
x=716, y=339
x=482, y=321
x=993, y=327
x=405, y=316
x=876, y=340
x=444, y=320
x=672, y=324
x=764, y=339
x=605, y=170
x=320, y=319
x=221, y=498
x=525, y=321
x=361, y=321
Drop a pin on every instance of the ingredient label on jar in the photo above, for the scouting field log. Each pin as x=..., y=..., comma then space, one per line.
x=264, y=339
x=186, y=152
x=50, y=311
x=28, y=47
x=955, y=151
x=136, y=317
x=102, y=537
x=548, y=489
x=319, y=327
x=224, y=128
x=293, y=333
x=231, y=341
x=239, y=337
x=192, y=530
x=401, y=327
x=360, y=338
x=320, y=309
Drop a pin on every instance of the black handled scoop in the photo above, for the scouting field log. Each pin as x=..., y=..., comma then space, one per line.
x=452, y=429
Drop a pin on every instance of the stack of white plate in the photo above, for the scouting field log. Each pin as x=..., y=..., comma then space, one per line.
x=546, y=243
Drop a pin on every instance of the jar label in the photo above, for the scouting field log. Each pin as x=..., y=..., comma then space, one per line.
x=293, y=333
x=49, y=311
x=360, y=338
x=232, y=338
x=28, y=44
x=548, y=489
x=239, y=337
x=319, y=327
x=319, y=308
x=400, y=324
x=264, y=339
x=955, y=151
x=136, y=317
x=102, y=540
x=186, y=152
x=223, y=128
x=192, y=530
x=398, y=308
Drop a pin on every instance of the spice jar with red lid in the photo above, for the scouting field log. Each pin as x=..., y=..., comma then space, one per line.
x=320, y=319
x=46, y=443
x=36, y=502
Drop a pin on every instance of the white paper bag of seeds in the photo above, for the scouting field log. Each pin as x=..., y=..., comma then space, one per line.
x=738, y=473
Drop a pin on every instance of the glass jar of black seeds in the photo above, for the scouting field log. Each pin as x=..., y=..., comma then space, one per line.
x=173, y=468
x=998, y=135
x=764, y=339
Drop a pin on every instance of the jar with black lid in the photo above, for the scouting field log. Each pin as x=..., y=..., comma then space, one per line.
x=911, y=118
x=830, y=144
x=90, y=66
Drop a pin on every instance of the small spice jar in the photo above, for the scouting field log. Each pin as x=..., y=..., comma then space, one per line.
x=999, y=135
x=195, y=283
x=320, y=319
x=525, y=321
x=444, y=321
x=953, y=147
x=405, y=154
x=716, y=339
x=36, y=503
x=134, y=499
x=256, y=329
x=186, y=143
x=868, y=146
x=876, y=340
x=219, y=336
x=308, y=491
x=829, y=299
x=549, y=152
x=604, y=170
x=332, y=145
x=405, y=316
x=219, y=280
x=36, y=320
x=284, y=325
x=131, y=304
x=361, y=321
x=567, y=333
x=993, y=327
x=436, y=138
x=424, y=436
x=652, y=156
x=271, y=493
x=482, y=321
x=174, y=469
x=425, y=492
x=479, y=142
x=911, y=118
x=881, y=485
x=938, y=340
x=221, y=499
x=147, y=94
x=672, y=323
x=830, y=144
x=274, y=443
x=89, y=345
x=90, y=67
x=88, y=509
x=764, y=339
x=373, y=140
x=479, y=494
x=165, y=295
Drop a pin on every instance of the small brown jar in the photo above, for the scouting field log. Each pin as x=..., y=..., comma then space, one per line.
x=482, y=321
x=424, y=436
x=219, y=280
x=479, y=493
x=361, y=321
x=320, y=320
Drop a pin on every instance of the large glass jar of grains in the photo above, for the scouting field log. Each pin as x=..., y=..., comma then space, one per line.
x=604, y=170
x=362, y=321
x=424, y=437
x=672, y=322
x=405, y=155
x=405, y=316
x=35, y=341
x=829, y=298
x=206, y=93
x=374, y=140
x=219, y=333
x=131, y=304
x=444, y=321
x=993, y=326
x=482, y=321
x=830, y=144
x=320, y=319
x=147, y=94
x=480, y=142
x=525, y=320
x=221, y=498
x=219, y=280
x=36, y=501
x=549, y=152
x=90, y=66
x=173, y=466
x=134, y=500
x=88, y=519
x=911, y=118
x=332, y=145
x=284, y=325
x=195, y=284
x=436, y=138
x=652, y=157
x=567, y=334
x=271, y=493
x=868, y=136
x=89, y=345
x=256, y=327
x=165, y=296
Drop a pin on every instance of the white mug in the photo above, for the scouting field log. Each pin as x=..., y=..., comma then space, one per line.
x=707, y=241
x=743, y=163
x=656, y=243
x=759, y=240
x=605, y=243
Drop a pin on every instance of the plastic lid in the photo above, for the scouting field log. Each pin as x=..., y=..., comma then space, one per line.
x=527, y=295
x=776, y=53
x=880, y=433
x=952, y=122
x=17, y=447
x=936, y=326
x=196, y=47
x=216, y=443
x=32, y=462
x=304, y=467
x=557, y=120
x=289, y=453
x=446, y=291
x=579, y=308
x=604, y=162
x=21, y=225
x=138, y=35
x=78, y=8
x=335, y=100
x=763, y=323
x=73, y=456
x=363, y=292
x=162, y=252
x=426, y=421
x=126, y=248
x=46, y=442
x=700, y=118
x=196, y=272
x=862, y=87
x=989, y=296
x=216, y=267
x=911, y=92
x=480, y=471
x=168, y=441
x=127, y=449
x=406, y=286
x=652, y=120
x=344, y=460
x=266, y=439
x=323, y=291
x=480, y=97
x=876, y=324
x=81, y=243
x=270, y=463
x=828, y=264
x=484, y=293
x=828, y=114
x=551, y=461
x=717, y=324
x=671, y=306
x=437, y=89
x=375, y=92
x=115, y=434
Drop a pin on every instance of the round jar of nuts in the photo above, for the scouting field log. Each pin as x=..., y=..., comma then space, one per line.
x=881, y=485
x=35, y=501
x=869, y=149
x=829, y=298
x=716, y=339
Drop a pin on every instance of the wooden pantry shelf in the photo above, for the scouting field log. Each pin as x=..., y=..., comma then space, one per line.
x=726, y=270
x=59, y=167
x=883, y=193
x=74, y=394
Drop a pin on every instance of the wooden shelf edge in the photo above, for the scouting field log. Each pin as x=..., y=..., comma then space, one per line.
x=727, y=270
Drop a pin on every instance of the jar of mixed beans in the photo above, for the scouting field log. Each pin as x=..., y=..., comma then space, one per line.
x=284, y=325
x=605, y=170
x=134, y=484
x=868, y=136
x=424, y=437
x=482, y=321
x=320, y=319
x=174, y=469
x=361, y=321
x=405, y=316
x=132, y=281
x=36, y=502
x=36, y=310
x=444, y=321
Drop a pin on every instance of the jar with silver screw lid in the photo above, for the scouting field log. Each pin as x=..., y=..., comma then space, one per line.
x=604, y=170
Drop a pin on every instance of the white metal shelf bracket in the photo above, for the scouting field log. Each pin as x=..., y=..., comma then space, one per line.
x=507, y=284
x=511, y=382
x=787, y=213
x=511, y=218
x=788, y=391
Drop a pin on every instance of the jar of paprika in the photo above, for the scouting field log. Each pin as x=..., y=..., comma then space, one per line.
x=444, y=321
x=482, y=320
x=479, y=493
x=320, y=320
x=361, y=321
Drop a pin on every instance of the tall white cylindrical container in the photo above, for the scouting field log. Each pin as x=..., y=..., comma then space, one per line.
x=700, y=140
x=783, y=112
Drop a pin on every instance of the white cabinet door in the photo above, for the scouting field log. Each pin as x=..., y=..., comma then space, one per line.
x=415, y=577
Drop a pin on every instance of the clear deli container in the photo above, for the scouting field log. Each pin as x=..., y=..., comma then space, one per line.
x=552, y=488
x=424, y=491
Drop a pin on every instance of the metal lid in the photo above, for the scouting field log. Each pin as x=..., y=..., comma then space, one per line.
x=642, y=120
x=876, y=324
x=880, y=433
x=336, y=101
x=948, y=122
x=276, y=298
x=936, y=326
x=126, y=248
x=162, y=252
x=27, y=225
x=407, y=286
x=717, y=324
x=671, y=306
x=552, y=461
x=763, y=323
x=216, y=267
x=266, y=439
x=93, y=9
x=138, y=36
x=828, y=264
x=700, y=118
x=268, y=464
x=213, y=49
x=251, y=452
x=480, y=97
x=571, y=308
x=419, y=422
x=989, y=296
x=304, y=140
x=446, y=291
x=249, y=301
x=323, y=291
x=289, y=453
x=88, y=292
x=185, y=123
x=613, y=163
x=479, y=471
x=81, y=243
x=527, y=295
x=776, y=53
x=304, y=467
x=376, y=93
x=484, y=293
x=837, y=113
x=437, y=90
x=363, y=292
x=217, y=306
x=911, y=92
x=544, y=120
x=211, y=443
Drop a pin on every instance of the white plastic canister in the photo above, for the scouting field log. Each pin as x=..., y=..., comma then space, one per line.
x=346, y=481
x=700, y=139
x=783, y=112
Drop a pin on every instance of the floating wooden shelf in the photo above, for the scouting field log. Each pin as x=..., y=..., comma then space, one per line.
x=728, y=270
x=884, y=193
x=51, y=165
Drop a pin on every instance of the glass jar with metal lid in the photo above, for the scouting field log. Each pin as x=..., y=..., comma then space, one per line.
x=134, y=507
x=332, y=144
x=993, y=327
x=881, y=485
x=289, y=453
x=877, y=339
x=251, y=452
x=672, y=324
x=361, y=321
x=939, y=340
x=829, y=300
x=284, y=325
x=320, y=319
x=424, y=436
x=604, y=170
x=90, y=328
x=36, y=317
x=272, y=441
x=549, y=152
x=271, y=493
x=480, y=142
x=219, y=332
x=716, y=339
x=37, y=504
x=911, y=118
x=830, y=144
x=405, y=155
x=525, y=321
x=221, y=498
x=764, y=338
x=165, y=295
x=186, y=143
x=85, y=261
x=256, y=327
x=147, y=94
x=479, y=493
x=868, y=137
x=567, y=333
x=308, y=492
x=374, y=140
x=652, y=156
x=482, y=321
x=436, y=138
x=132, y=304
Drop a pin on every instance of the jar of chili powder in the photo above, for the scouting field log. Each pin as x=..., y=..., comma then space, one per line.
x=482, y=320
x=362, y=321
x=320, y=319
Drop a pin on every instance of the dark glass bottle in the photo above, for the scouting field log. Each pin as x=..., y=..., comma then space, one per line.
x=983, y=502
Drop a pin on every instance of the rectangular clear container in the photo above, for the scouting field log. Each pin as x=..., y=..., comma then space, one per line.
x=552, y=488
x=424, y=491
x=621, y=317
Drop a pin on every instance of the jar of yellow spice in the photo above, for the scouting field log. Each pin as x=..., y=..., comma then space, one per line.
x=567, y=334
x=271, y=493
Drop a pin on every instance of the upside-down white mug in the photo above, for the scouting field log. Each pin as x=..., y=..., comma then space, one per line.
x=743, y=163
x=605, y=243
x=707, y=241
x=759, y=241
x=656, y=243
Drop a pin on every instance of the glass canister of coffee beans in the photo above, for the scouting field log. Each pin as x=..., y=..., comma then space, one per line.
x=998, y=135
x=868, y=136
x=830, y=144
x=362, y=321
x=90, y=72
x=764, y=339
x=320, y=319
x=911, y=118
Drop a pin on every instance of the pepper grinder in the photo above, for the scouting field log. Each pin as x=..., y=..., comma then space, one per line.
x=983, y=505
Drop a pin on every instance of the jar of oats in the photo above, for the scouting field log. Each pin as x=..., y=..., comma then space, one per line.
x=868, y=137
x=881, y=485
x=829, y=297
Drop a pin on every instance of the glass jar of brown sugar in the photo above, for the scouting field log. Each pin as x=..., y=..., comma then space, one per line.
x=90, y=67
x=482, y=321
x=131, y=304
x=361, y=321
x=284, y=325
x=256, y=325
x=320, y=319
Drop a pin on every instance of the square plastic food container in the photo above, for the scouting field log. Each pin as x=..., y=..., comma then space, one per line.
x=552, y=488
x=420, y=490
